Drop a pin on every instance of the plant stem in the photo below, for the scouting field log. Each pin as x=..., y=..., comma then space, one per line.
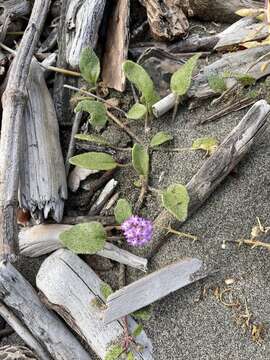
x=175, y=107
x=144, y=189
x=95, y=97
x=147, y=123
x=250, y=242
x=171, y=149
x=62, y=71
x=179, y=233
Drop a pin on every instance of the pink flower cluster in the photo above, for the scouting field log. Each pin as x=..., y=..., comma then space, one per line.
x=138, y=231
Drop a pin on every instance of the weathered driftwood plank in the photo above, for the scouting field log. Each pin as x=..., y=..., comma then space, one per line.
x=233, y=148
x=43, y=187
x=104, y=196
x=240, y=62
x=43, y=239
x=116, y=48
x=151, y=288
x=72, y=288
x=12, y=352
x=13, y=102
x=219, y=10
x=23, y=332
x=19, y=296
x=77, y=175
x=166, y=18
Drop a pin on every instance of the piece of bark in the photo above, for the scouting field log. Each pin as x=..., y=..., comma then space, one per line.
x=245, y=62
x=61, y=278
x=13, y=102
x=166, y=19
x=151, y=288
x=44, y=239
x=20, y=297
x=104, y=196
x=215, y=169
x=43, y=187
x=116, y=48
x=12, y=352
x=221, y=11
x=71, y=147
x=77, y=175
x=24, y=334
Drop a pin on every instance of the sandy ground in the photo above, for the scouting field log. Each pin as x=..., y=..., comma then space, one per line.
x=186, y=325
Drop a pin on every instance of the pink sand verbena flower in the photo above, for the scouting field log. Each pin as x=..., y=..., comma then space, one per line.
x=138, y=231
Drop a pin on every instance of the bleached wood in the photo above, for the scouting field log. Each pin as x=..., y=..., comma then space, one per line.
x=229, y=153
x=239, y=62
x=43, y=239
x=77, y=175
x=116, y=48
x=19, y=296
x=13, y=103
x=71, y=287
x=150, y=288
x=104, y=196
x=43, y=186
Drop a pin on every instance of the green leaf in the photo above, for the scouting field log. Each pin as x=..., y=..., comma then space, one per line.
x=217, y=83
x=139, y=77
x=140, y=159
x=208, y=144
x=144, y=313
x=97, y=110
x=105, y=290
x=160, y=138
x=181, y=79
x=94, y=161
x=137, y=331
x=114, y=352
x=130, y=356
x=175, y=199
x=122, y=211
x=243, y=79
x=137, y=112
x=87, y=238
x=97, y=139
x=89, y=66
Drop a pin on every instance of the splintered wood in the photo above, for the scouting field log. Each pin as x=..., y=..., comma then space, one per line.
x=151, y=288
x=74, y=291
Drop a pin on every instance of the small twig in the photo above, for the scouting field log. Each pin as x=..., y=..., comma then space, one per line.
x=165, y=149
x=75, y=128
x=104, y=220
x=95, y=97
x=62, y=71
x=179, y=233
x=144, y=189
x=253, y=243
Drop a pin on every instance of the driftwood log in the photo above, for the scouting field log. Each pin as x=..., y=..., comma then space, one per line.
x=219, y=10
x=43, y=239
x=13, y=102
x=11, y=352
x=116, y=48
x=151, y=288
x=43, y=186
x=73, y=290
x=233, y=148
x=55, y=338
x=252, y=62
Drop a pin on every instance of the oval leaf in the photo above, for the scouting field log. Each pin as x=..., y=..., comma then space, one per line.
x=175, y=199
x=89, y=66
x=98, y=114
x=181, y=79
x=114, y=352
x=140, y=159
x=122, y=211
x=208, y=144
x=144, y=313
x=94, y=161
x=97, y=139
x=137, y=112
x=87, y=238
x=139, y=77
x=160, y=138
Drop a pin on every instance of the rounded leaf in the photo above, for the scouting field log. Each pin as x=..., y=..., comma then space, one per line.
x=87, y=238
x=122, y=211
x=181, y=79
x=208, y=144
x=114, y=352
x=94, y=161
x=137, y=112
x=140, y=159
x=96, y=110
x=160, y=138
x=89, y=66
x=175, y=199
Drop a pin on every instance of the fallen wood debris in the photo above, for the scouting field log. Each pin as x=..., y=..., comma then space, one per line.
x=151, y=288
x=84, y=312
x=47, y=330
x=44, y=239
x=233, y=148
